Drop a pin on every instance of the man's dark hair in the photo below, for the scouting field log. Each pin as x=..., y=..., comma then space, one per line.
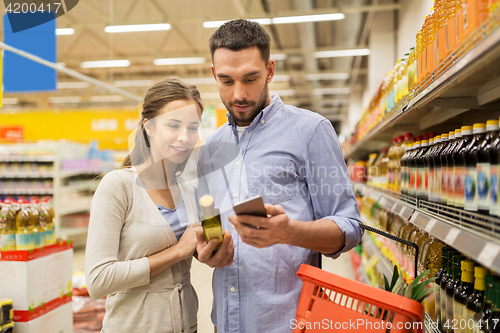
x=241, y=34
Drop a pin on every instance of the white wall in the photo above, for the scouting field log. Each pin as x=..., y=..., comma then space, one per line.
x=411, y=18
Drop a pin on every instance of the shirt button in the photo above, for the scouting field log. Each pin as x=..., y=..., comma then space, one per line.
x=235, y=194
x=262, y=121
x=238, y=163
x=232, y=289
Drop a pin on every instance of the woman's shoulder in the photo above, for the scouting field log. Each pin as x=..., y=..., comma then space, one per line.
x=118, y=178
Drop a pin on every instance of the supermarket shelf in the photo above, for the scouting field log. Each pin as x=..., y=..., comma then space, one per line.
x=482, y=245
x=26, y=175
x=75, y=210
x=466, y=89
x=430, y=325
x=383, y=265
x=76, y=188
x=26, y=192
x=71, y=173
x=34, y=159
x=69, y=232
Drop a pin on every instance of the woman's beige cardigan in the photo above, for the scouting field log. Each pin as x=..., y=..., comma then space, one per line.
x=125, y=227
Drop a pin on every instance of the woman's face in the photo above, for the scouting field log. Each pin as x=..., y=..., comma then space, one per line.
x=174, y=133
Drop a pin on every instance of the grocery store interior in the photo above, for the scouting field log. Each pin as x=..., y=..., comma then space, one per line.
x=412, y=89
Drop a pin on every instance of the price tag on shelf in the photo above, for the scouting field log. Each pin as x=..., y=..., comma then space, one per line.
x=429, y=225
x=452, y=236
x=488, y=254
x=414, y=217
x=402, y=211
x=393, y=208
x=383, y=201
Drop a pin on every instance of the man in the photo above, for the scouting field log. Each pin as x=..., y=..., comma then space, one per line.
x=292, y=159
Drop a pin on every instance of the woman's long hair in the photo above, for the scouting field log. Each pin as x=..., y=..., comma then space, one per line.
x=159, y=95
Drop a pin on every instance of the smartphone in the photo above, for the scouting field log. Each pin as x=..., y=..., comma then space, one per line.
x=252, y=206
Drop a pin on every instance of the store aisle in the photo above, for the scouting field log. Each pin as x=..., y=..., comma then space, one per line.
x=201, y=278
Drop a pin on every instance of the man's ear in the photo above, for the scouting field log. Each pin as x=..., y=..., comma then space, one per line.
x=271, y=68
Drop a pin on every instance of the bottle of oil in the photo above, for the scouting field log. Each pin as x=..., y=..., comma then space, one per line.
x=24, y=235
x=445, y=170
x=430, y=34
x=493, y=5
x=470, y=202
x=475, y=301
x=8, y=227
x=453, y=284
x=481, y=318
x=413, y=167
x=494, y=170
x=446, y=278
x=420, y=163
x=439, y=169
x=427, y=171
x=212, y=226
x=483, y=167
x=431, y=259
x=38, y=232
x=398, y=154
x=459, y=165
x=451, y=26
x=390, y=164
x=475, y=13
x=419, y=56
x=494, y=319
x=450, y=187
x=405, y=149
x=439, y=275
x=441, y=42
x=432, y=169
x=47, y=222
x=462, y=293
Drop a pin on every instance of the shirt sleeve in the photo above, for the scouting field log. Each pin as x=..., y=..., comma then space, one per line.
x=103, y=272
x=329, y=185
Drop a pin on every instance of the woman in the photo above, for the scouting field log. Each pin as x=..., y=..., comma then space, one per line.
x=139, y=245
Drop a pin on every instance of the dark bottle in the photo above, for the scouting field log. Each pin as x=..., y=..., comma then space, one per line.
x=447, y=277
x=459, y=165
x=450, y=195
x=413, y=166
x=462, y=293
x=481, y=318
x=483, y=167
x=494, y=152
x=445, y=170
x=427, y=171
x=453, y=284
x=493, y=325
x=433, y=171
x=439, y=275
x=420, y=163
x=408, y=144
x=470, y=193
x=437, y=167
x=475, y=301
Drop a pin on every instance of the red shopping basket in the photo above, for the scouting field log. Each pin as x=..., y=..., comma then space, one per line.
x=329, y=302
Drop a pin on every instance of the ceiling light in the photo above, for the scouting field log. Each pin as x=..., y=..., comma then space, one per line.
x=137, y=28
x=65, y=99
x=179, y=61
x=9, y=101
x=102, y=99
x=134, y=83
x=284, y=92
x=308, y=18
x=216, y=24
x=331, y=91
x=199, y=80
x=105, y=63
x=72, y=85
x=327, y=76
x=278, y=56
x=341, y=53
x=65, y=31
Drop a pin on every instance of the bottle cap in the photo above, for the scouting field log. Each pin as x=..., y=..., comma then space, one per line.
x=466, y=130
x=480, y=272
x=431, y=141
x=444, y=135
x=419, y=138
x=492, y=125
x=426, y=136
x=451, y=135
x=467, y=265
x=394, y=141
x=432, y=134
x=479, y=128
x=400, y=138
x=425, y=143
x=408, y=136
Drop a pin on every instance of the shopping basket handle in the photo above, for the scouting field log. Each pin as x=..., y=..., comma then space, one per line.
x=395, y=238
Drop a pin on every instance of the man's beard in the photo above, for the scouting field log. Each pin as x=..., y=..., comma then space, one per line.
x=257, y=107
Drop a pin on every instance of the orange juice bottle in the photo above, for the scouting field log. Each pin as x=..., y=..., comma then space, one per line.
x=441, y=40
x=475, y=13
x=459, y=18
x=451, y=25
x=430, y=35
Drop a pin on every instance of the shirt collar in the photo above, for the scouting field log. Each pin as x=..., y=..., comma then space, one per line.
x=263, y=116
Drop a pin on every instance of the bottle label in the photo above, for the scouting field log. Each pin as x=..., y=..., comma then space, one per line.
x=459, y=186
x=7, y=242
x=49, y=237
x=493, y=189
x=426, y=180
x=483, y=186
x=420, y=181
x=444, y=184
x=431, y=184
x=24, y=241
x=438, y=185
x=470, y=202
x=38, y=239
x=451, y=187
x=413, y=176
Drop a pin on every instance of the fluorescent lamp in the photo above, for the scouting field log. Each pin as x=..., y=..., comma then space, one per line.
x=281, y=78
x=308, y=18
x=331, y=91
x=278, y=56
x=134, y=83
x=137, y=28
x=216, y=24
x=341, y=53
x=200, y=80
x=103, y=99
x=8, y=101
x=65, y=31
x=327, y=76
x=105, y=63
x=179, y=61
x=65, y=99
x=72, y=85
x=284, y=92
